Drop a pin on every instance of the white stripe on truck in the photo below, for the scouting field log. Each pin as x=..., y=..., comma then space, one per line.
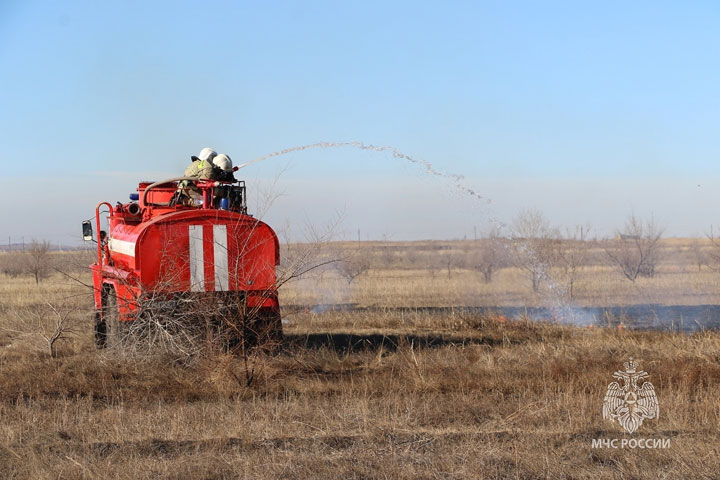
x=197, y=262
x=221, y=257
x=122, y=246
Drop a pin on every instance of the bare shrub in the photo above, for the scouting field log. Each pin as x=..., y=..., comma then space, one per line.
x=712, y=256
x=60, y=329
x=535, y=245
x=636, y=249
x=38, y=260
x=352, y=267
x=573, y=256
x=700, y=256
x=190, y=327
x=47, y=322
x=12, y=264
x=450, y=262
x=490, y=254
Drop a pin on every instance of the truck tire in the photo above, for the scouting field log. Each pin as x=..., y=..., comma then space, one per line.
x=110, y=319
x=100, y=331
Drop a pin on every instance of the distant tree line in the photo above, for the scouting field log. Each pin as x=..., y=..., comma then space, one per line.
x=552, y=258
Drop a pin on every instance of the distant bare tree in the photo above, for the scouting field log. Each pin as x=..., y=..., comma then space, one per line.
x=636, y=249
x=490, y=254
x=449, y=262
x=573, y=255
x=700, y=255
x=38, y=260
x=352, y=267
x=713, y=255
x=535, y=245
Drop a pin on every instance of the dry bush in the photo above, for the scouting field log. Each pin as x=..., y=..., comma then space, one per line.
x=711, y=256
x=490, y=254
x=351, y=268
x=636, y=250
x=701, y=256
x=535, y=245
x=572, y=257
x=39, y=327
x=38, y=260
x=12, y=264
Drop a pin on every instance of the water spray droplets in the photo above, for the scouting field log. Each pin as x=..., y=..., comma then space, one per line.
x=427, y=166
x=560, y=307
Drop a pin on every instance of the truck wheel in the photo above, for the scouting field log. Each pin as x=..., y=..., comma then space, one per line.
x=111, y=323
x=100, y=331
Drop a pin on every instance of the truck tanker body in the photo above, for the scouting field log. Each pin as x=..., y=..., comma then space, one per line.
x=204, y=260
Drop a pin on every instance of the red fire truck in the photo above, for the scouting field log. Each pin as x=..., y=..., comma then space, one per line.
x=168, y=255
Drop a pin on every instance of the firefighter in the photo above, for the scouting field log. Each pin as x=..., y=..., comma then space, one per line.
x=224, y=173
x=224, y=163
x=202, y=165
x=201, y=168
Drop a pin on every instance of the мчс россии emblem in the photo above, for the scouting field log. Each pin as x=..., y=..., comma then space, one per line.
x=630, y=404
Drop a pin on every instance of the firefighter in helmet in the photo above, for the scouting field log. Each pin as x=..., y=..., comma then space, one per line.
x=202, y=165
x=224, y=173
x=223, y=163
x=208, y=165
x=201, y=168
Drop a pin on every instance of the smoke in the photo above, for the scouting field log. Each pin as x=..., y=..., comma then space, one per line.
x=427, y=166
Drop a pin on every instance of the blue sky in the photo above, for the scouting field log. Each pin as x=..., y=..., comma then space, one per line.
x=584, y=111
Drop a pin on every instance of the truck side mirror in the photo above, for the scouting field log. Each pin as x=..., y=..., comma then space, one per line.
x=87, y=231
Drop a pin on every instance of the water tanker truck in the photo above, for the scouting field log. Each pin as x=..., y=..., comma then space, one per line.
x=167, y=256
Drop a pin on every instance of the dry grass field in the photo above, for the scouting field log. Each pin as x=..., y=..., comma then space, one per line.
x=387, y=394
x=416, y=274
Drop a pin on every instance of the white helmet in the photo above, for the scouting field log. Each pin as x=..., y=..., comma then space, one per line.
x=223, y=162
x=207, y=153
